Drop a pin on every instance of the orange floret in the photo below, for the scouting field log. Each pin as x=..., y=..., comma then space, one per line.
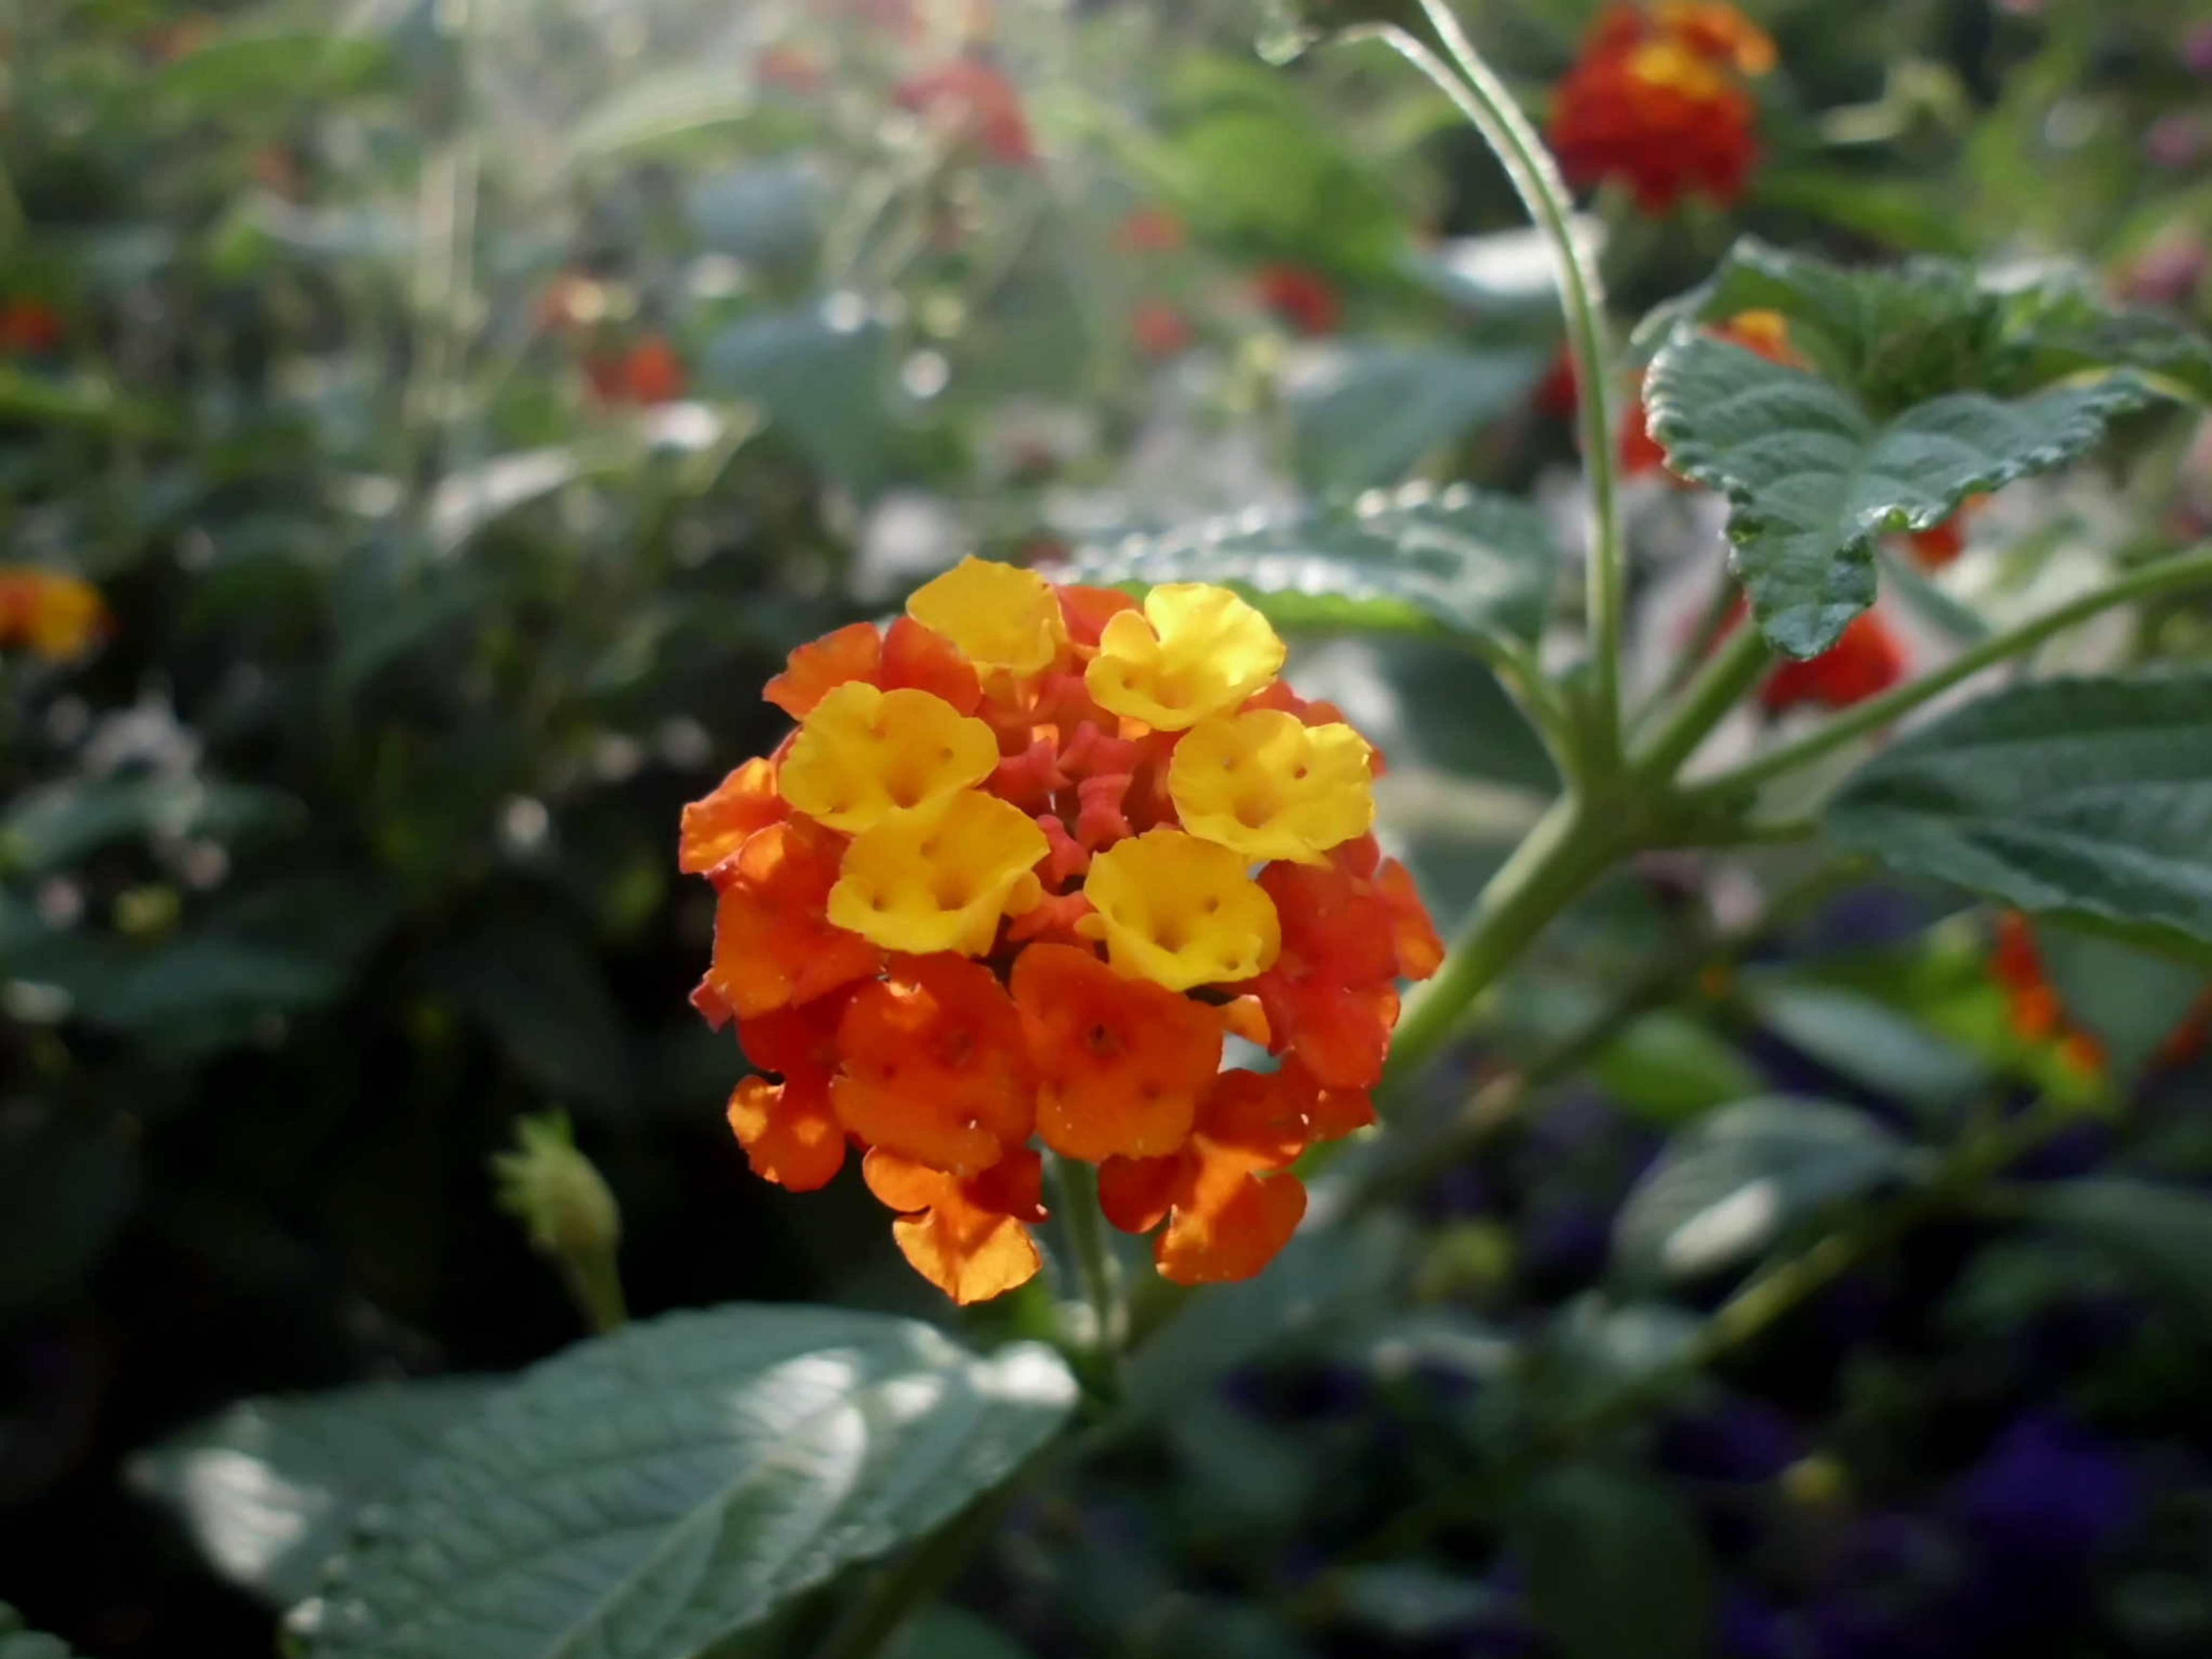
x=1227, y=1210
x=773, y=944
x=816, y=669
x=966, y=1237
x=715, y=826
x=789, y=1133
x=1120, y=1063
x=936, y=1069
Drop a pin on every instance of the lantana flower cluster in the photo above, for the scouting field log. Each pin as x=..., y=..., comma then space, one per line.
x=54, y=616
x=1658, y=100
x=1032, y=855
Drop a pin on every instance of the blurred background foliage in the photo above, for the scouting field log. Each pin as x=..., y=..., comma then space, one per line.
x=462, y=407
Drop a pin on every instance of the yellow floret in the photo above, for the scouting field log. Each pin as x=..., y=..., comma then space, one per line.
x=66, y=616
x=1180, y=911
x=863, y=756
x=921, y=883
x=997, y=615
x=1670, y=65
x=1267, y=785
x=1197, y=650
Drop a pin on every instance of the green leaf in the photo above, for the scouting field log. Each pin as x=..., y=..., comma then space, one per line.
x=1411, y=1600
x=66, y=1190
x=1451, y=562
x=17, y=1643
x=2090, y=797
x=2132, y=1000
x=947, y=1633
x=1925, y=386
x=1814, y=477
x=1729, y=1186
x=1868, y=1042
x=1668, y=1066
x=821, y=381
x=1371, y=412
x=546, y=998
x=242, y=71
x=650, y=1494
x=1616, y=1565
x=2162, y=1234
x=270, y=1489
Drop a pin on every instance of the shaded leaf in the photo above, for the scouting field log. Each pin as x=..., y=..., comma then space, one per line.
x=17, y=1643
x=1616, y=1565
x=2131, y=1000
x=65, y=1189
x=2163, y=1234
x=1454, y=562
x=819, y=380
x=1368, y=413
x=2084, y=797
x=1868, y=1042
x=949, y=1633
x=1734, y=1182
x=46, y=828
x=1668, y=1066
x=270, y=1489
x=647, y=1494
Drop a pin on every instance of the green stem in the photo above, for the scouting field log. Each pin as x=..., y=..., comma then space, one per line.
x=1787, y=1284
x=1718, y=687
x=1488, y=105
x=1094, y=1265
x=910, y=1583
x=595, y=1286
x=2191, y=570
x=1563, y=855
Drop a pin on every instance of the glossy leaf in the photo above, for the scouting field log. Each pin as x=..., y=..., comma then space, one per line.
x=1731, y=1185
x=648, y=1494
x=1616, y=1565
x=2085, y=797
x=270, y=1489
x=1453, y=562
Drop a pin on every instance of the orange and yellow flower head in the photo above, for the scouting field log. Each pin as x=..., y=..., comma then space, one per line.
x=1033, y=853
x=54, y=616
x=1658, y=101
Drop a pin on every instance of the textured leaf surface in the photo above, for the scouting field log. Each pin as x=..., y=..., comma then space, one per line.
x=2162, y=1234
x=1923, y=386
x=269, y=1488
x=1729, y=1186
x=1451, y=562
x=1814, y=476
x=650, y=1494
x=2092, y=797
x=1616, y=1565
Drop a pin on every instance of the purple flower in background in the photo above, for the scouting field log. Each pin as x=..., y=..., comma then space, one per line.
x=2196, y=49
x=2048, y=1493
x=1742, y=1440
x=2166, y=273
x=2177, y=142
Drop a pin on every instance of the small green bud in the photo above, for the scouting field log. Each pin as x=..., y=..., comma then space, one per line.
x=554, y=1191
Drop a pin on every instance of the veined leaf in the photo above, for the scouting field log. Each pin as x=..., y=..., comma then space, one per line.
x=1814, y=476
x=1921, y=386
x=649, y=1494
x=1449, y=561
x=2086, y=797
x=269, y=1489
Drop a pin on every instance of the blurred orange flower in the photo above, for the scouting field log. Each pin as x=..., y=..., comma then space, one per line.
x=1656, y=100
x=55, y=616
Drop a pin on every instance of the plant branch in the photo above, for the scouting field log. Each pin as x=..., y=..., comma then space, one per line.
x=1716, y=688
x=2191, y=570
x=1094, y=1266
x=1488, y=105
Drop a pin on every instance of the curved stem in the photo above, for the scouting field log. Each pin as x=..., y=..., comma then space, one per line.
x=1086, y=1241
x=2192, y=569
x=1489, y=107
